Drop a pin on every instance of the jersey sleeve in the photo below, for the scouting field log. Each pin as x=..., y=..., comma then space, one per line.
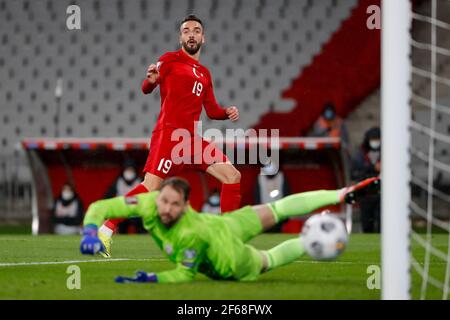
x=120, y=207
x=212, y=108
x=188, y=258
x=148, y=87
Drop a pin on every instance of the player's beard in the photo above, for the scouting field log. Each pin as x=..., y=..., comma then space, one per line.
x=191, y=49
x=168, y=221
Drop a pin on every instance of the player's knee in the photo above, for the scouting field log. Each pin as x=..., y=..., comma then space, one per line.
x=234, y=176
x=151, y=182
x=146, y=185
x=265, y=261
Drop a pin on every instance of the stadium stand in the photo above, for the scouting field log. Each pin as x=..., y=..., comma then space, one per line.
x=264, y=61
x=252, y=59
x=359, y=76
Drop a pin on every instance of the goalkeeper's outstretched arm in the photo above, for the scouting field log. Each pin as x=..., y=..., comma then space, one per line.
x=118, y=207
x=189, y=253
x=102, y=210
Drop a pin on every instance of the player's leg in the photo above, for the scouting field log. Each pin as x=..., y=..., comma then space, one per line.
x=152, y=182
x=377, y=214
x=217, y=164
x=230, y=177
x=109, y=227
x=303, y=203
x=294, y=205
x=158, y=166
x=251, y=262
x=282, y=254
x=249, y=221
x=149, y=184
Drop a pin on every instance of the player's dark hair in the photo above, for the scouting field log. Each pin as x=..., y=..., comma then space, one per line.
x=179, y=184
x=192, y=17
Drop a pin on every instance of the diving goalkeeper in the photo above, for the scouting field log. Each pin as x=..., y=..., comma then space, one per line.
x=212, y=245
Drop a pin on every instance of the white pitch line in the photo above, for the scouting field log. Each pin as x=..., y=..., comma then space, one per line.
x=334, y=262
x=37, y=263
x=16, y=264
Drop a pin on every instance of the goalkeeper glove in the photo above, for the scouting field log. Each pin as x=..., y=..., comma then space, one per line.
x=91, y=244
x=141, y=276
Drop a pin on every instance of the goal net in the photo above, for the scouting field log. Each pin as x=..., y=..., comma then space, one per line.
x=416, y=155
x=430, y=149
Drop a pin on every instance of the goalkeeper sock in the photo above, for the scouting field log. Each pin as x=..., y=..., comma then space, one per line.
x=284, y=253
x=303, y=203
x=230, y=197
x=110, y=226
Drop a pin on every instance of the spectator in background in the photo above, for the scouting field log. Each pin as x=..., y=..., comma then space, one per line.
x=124, y=183
x=366, y=163
x=330, y=124
x=67, y=213
x=212, y=204
x=271, y=186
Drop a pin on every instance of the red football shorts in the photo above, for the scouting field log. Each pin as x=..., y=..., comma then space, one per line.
x=169, y=153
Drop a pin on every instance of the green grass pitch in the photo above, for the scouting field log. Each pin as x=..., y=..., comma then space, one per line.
x=34, y=267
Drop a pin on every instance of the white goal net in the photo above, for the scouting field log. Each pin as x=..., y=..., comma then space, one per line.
x=430, y=149
x=416, y=151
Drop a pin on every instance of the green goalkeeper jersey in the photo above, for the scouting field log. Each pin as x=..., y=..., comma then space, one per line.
x=196, y=243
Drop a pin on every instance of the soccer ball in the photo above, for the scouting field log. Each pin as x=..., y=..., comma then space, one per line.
x=324, y=236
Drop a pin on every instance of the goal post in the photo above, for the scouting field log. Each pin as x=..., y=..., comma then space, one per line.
x=395, y=118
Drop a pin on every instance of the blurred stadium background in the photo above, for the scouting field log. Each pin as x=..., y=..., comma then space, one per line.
x=71, y=108
x=276, y=61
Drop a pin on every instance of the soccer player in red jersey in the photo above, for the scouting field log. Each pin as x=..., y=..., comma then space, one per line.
x=185, y=86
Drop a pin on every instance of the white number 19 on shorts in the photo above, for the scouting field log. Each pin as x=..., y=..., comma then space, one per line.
x=164, y=165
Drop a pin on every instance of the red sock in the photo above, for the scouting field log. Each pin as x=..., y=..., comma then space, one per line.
x=230, y=197
x=112, y=223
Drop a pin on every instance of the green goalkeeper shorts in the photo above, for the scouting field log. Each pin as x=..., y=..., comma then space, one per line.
x=248, y=264
x=244, y=225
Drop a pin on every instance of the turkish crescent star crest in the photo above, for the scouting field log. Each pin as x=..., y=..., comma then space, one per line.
x=195, y=73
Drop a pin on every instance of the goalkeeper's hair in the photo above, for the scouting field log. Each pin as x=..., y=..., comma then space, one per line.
x=192, y=17
x=179, y=184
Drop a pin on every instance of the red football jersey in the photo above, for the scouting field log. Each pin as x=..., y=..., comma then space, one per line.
x=185, y=85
